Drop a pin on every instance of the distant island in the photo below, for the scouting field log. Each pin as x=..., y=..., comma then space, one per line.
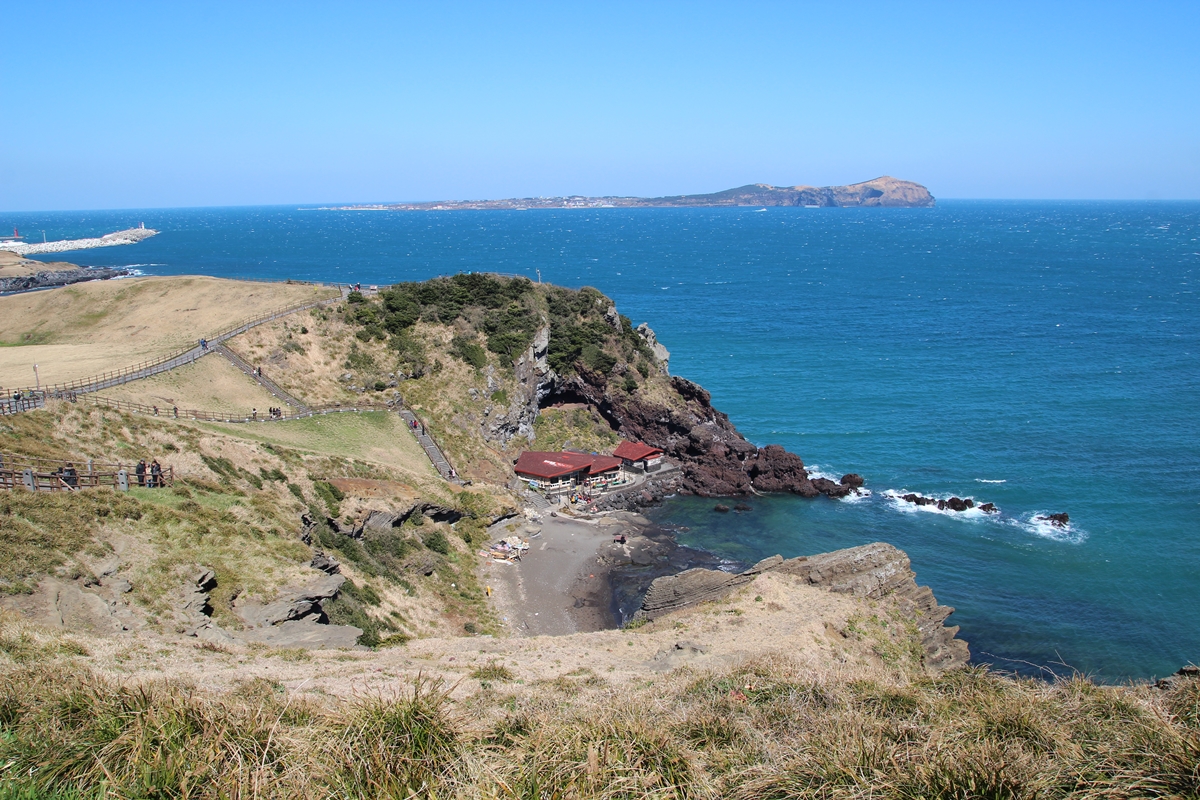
x=880, y=192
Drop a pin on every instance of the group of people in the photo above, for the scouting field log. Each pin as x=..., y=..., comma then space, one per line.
x=68, y=476
x=149, y=476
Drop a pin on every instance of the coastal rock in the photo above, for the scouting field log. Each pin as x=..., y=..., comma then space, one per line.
x=63, y=277
x=325, y=563
x=1187, y=673
x=853, y=480
x=873, y=571
x=776, y=470
x=306, y=633
x=946, y=504
x=1057, y=520
x=294, y=604
x=714, y=458
x=661, y=354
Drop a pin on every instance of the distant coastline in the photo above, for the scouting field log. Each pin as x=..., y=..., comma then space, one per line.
x=881, y=192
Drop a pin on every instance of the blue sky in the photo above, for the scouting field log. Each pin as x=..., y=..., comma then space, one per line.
x=124, y=105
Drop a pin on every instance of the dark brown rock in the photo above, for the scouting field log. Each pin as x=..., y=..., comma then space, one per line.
x=853, y=480
x=1057, y=520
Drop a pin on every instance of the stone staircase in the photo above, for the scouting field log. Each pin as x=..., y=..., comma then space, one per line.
x=265, y=382
x=428, y=445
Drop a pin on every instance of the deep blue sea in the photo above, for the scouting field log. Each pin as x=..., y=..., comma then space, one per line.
x=1041, y=356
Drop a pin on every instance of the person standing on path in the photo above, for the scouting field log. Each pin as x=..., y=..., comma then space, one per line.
x=140, y=471
x=155, y=475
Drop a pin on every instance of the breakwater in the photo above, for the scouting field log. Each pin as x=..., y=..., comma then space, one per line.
x=130, y=236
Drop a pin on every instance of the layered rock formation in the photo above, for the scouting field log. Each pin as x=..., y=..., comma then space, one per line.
x=875, y=571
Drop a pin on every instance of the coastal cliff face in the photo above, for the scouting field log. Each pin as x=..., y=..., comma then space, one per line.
x=876, y=571
x=715, y=458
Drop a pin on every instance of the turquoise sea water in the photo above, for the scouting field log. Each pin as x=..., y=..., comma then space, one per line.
x=1041, y=356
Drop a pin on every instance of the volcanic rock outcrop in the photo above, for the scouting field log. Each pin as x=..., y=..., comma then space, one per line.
x=875, y=571
x=715, y=458
x=44, y=279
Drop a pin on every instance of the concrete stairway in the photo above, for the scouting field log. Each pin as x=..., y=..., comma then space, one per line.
x=431, y=449
x=265, y=382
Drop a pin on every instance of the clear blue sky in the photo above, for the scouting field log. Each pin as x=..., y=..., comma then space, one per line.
x=112, y=105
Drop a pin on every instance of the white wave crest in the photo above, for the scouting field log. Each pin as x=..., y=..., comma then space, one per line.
x=857, y=496
x=1045, y=529
x=985, y=480
x=902, y=505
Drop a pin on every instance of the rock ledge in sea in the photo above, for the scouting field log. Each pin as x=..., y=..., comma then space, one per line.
x=874, y=571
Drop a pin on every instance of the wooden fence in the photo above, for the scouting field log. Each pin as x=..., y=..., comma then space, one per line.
x=52, y=475
x=171, y=412
x=147, y=369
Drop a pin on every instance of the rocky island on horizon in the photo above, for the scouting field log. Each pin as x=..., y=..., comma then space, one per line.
x=884, y=191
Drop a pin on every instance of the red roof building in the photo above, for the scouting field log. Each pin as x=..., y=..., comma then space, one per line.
x=566, y=469
x=637, y=451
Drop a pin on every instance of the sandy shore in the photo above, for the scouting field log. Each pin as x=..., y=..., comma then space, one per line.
x=561, y=585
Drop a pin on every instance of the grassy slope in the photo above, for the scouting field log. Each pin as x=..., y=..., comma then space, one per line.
x=237, y=509
x=81, y=330
x=210, y=384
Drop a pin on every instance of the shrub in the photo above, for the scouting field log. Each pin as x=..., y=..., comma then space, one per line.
x=331, y=495
x=469, y=351
x=437, y=542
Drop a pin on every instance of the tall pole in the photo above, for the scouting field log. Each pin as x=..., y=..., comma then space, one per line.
x=37, y=380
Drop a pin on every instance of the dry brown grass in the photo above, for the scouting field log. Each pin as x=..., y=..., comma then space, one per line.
x=765, y=729
x=210, y=384
x=15, y=266
x=85, y=329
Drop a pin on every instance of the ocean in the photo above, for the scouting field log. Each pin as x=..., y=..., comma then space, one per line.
x=1041, y=356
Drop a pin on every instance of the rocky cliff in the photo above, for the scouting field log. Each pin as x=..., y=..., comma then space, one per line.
x=876, y=571
x=715, y=458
